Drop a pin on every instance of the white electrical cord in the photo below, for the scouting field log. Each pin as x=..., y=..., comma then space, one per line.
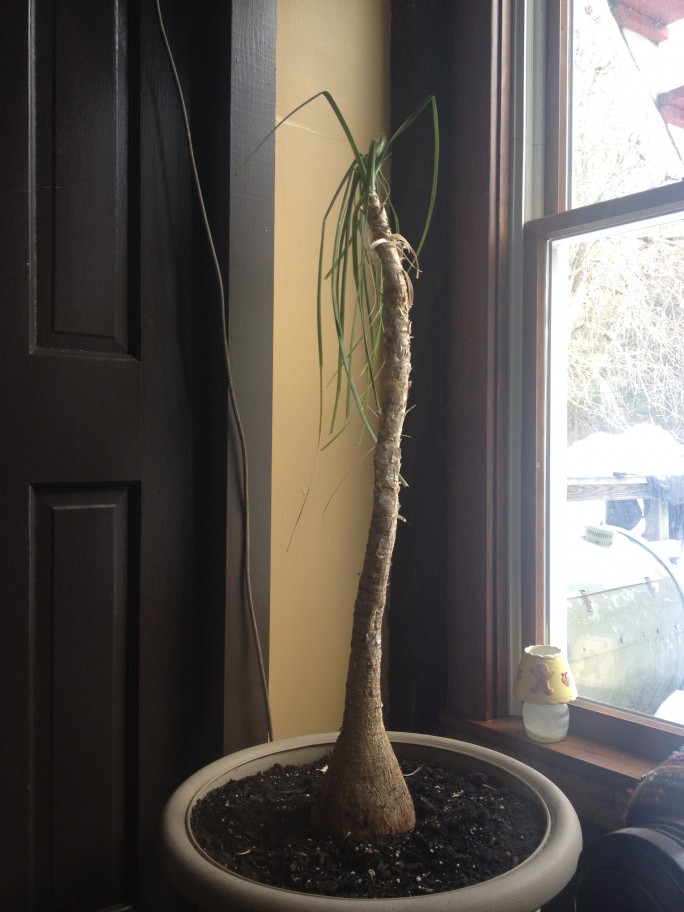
x=247, y=582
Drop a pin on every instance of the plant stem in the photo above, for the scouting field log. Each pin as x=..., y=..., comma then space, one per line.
x=364, y=793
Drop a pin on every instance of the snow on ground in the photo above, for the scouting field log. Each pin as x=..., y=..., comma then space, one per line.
x=643, y=449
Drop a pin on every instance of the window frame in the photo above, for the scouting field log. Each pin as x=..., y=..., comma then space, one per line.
x=621, y=729
x=604, y=755
x=454, y=621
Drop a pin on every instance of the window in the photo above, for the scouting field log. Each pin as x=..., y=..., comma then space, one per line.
x=621, y=139
x=603, y=428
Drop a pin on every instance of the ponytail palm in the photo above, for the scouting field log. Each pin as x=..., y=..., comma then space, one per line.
x=364, y=793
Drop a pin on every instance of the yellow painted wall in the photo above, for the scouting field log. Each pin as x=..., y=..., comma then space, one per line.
x=341, y=46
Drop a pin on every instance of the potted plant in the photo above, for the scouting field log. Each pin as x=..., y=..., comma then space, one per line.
x=364, y=793
x=523, y=888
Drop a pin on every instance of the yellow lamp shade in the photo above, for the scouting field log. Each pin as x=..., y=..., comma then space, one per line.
x=544, y=676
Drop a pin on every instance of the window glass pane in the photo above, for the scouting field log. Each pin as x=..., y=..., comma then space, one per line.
x=627, y=110
x=616, y=463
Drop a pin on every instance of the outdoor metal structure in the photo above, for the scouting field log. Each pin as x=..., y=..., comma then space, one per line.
x=625, y=620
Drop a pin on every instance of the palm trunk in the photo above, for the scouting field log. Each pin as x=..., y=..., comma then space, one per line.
x=364, y=793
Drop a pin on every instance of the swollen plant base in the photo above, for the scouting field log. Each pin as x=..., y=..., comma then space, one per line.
x=522, y=889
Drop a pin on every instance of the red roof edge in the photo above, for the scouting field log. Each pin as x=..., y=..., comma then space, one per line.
x=629, y=18
x=661, y=11
x=674, y=96
x=673, y=115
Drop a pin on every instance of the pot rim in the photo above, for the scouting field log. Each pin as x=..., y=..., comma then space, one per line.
x=534, y=873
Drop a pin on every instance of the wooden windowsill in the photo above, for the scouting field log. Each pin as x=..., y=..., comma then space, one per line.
x=598, y=779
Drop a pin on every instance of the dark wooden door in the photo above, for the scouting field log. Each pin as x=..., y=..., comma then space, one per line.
x=112, y=522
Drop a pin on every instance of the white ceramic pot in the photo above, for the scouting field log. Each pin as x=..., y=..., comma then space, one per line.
x=523, y=889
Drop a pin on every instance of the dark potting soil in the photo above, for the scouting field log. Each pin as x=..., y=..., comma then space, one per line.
x=469, y=829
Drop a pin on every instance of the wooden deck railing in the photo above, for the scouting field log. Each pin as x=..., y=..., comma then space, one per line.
x=625, y=487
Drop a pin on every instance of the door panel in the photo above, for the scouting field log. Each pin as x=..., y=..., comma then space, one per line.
x=84, y=642
x=70, y=463
x=114, y=435
x=81, y=252
x=65, y=448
